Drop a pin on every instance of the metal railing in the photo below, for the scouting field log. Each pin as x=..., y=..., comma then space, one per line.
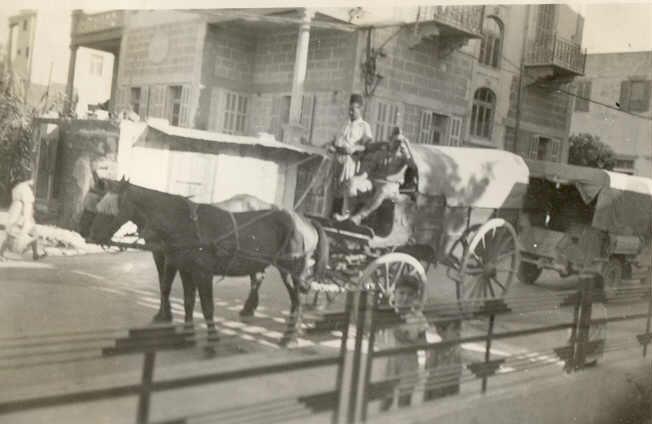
x=360, y=324
x=468, y=18
x=556, y=51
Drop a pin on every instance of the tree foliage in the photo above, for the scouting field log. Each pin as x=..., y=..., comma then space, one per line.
x=16, y=146
x=588, y=150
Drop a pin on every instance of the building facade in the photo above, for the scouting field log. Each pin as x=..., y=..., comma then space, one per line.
x=38, y=53
x=525, y=64
x=445, y=74
x=622, y=81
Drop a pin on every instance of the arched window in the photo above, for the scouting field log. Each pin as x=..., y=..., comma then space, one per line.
x=491, y=43
x=482, y=114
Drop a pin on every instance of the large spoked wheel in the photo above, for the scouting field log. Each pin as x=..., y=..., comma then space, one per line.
x=491, y=262
x=385, y=272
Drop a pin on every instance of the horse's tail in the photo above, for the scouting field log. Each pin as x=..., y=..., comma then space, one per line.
x=322, y=253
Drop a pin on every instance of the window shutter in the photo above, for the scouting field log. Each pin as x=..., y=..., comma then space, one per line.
x=555, y=147
x=455, y=136
x=534, y=147
x=640, y=102
x=184, y=109
x=425, y=127
x=158, y=109
x=381, y=113
x=625, y=93
x=156, y=102
x=214, y=110
x=144, y=102
x=275, y=126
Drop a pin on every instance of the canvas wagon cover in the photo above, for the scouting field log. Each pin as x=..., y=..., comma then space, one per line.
x=625, y=206
x=624, y=202
x=471, y=177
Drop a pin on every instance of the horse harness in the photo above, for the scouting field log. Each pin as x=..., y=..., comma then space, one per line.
x=235, y=232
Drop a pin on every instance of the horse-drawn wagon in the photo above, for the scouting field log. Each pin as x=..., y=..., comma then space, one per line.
x=458, y=207
x=586, y=220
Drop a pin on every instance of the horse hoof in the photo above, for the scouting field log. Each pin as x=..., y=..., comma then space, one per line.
x=159, y=318
x=247, y=313
x=210, y=352
x=288, y=342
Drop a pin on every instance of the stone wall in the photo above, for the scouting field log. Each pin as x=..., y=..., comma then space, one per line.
x=260, y=64
x=83, y=146
x=159, y=53
x=418, y=78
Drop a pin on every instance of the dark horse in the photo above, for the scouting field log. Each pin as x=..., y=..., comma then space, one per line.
x=166, y=271
x=201, y=240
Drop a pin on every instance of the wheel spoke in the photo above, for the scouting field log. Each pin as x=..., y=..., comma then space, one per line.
x=491, y=289
x=474, y=287
x=387, y=276
x=510, y=270
x=495, y=280
x=398, y=274
x=502, y=256
x=477, y=258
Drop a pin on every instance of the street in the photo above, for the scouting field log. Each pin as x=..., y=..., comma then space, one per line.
x=57, y=315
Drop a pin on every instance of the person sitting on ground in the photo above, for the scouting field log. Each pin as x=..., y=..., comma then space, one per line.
x=387, y=175
x=20, y=225
x=351, y=142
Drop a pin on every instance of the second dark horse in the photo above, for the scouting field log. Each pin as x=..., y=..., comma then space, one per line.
x=201, y=241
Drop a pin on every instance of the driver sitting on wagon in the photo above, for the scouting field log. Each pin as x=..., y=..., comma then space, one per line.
x=386, y=172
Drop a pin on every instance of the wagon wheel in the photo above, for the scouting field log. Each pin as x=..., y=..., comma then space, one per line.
x=384, y=272
x=457, y=252
x=490, y=263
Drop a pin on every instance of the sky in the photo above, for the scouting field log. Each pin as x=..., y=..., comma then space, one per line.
x=609, y=26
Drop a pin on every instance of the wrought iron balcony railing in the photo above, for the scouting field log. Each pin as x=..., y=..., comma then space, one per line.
x=467, y=19
x=97, y=22
x=553, y=50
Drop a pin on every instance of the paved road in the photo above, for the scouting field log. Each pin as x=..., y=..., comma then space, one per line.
x=84, y=303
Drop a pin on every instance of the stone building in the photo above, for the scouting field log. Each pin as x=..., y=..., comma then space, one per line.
x=526, y=62
x=622, y=81
x=445, y=74
x=38, y=50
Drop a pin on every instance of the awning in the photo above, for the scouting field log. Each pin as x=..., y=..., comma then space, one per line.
x=208, y=141
x=470, y=177
x=624, y=202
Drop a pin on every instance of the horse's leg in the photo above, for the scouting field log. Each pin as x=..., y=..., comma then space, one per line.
x=204, y=283
x=293, y=323
x=189, y=294
x=251, y=303
x=166, y=274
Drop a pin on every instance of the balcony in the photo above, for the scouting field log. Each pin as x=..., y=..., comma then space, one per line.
x=555, y=58
x=450, y=26
x=456, y=21
x=100, y=31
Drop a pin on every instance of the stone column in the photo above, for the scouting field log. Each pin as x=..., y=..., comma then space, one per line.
x=114, y=80
x=293, y=131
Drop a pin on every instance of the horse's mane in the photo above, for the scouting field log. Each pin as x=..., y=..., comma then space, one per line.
x=109, y=204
